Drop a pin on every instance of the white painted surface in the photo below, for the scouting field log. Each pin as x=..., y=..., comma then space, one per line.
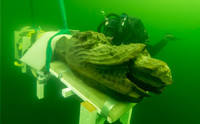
x=35, y=57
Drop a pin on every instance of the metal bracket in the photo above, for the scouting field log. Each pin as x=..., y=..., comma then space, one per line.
x=41, y=81
x=23, y=41
x=67, y=92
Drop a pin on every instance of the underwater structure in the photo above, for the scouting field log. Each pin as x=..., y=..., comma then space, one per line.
x=110, y=79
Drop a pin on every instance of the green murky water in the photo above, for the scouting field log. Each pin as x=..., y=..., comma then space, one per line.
x=178, y=104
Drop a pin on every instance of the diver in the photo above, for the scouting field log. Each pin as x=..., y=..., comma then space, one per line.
x=125, y=29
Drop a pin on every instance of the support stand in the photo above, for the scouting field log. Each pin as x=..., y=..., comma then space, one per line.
x=89, y=113
x=41, y=81
x=126, y=118
x=40, y=90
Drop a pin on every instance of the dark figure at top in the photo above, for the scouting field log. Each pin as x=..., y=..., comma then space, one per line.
x=124, y=30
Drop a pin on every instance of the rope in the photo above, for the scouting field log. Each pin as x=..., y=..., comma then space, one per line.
x=32, y=13
x=63, y=13
x=64, y=31
x=49, y=49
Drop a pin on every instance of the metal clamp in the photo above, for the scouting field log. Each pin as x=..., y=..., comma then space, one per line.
x=107, y=106
x=61, y=73
x=42, y=77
